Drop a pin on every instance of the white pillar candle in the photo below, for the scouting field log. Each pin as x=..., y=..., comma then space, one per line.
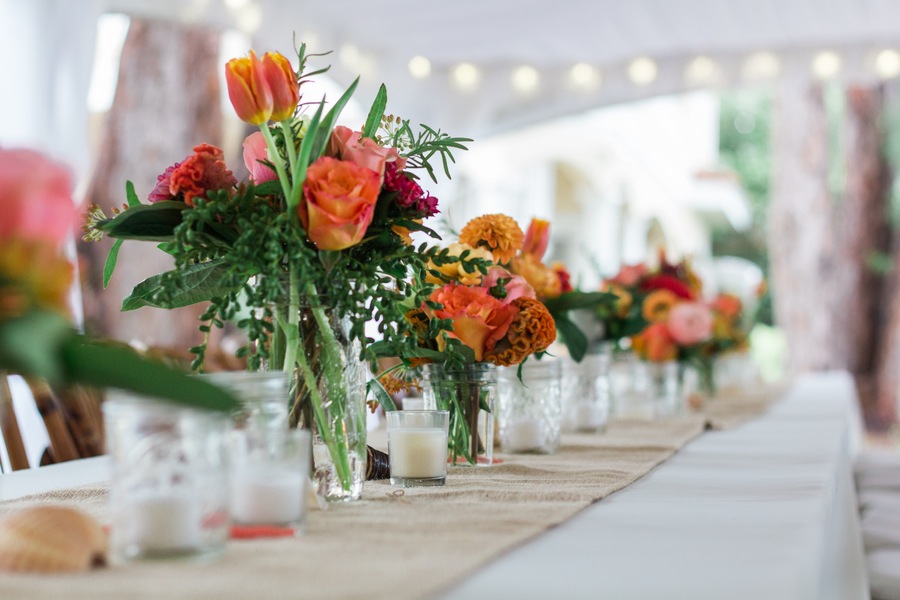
x=524, y=433
x=158, y=522
x=267, y=496
x=419, y=453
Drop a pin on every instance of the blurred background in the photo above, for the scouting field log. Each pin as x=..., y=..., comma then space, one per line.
x=757, y=138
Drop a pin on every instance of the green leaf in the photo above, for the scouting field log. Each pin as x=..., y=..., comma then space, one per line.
x=132, y=197
x=29, y=345
x=268, y=188
x=575, y=300
x=108, y=365
x=150, y=222
x=375, y=113
x=384, y=399
x=324, y=132
x=110, y=264
x=572, y=337
x=199, y=283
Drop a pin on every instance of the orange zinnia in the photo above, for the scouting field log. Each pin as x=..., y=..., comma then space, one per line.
x=657, y=305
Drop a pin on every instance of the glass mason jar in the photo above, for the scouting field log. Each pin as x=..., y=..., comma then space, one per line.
x=263, y=397
x=327, y=396
x=529, y=411
x=587, y=391
x=664, y=387
x=169, y=491
x=469, y=394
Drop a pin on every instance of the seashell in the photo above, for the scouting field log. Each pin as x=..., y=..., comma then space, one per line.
x=51, y=539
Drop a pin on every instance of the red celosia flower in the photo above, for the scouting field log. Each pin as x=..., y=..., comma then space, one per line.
x=410, y=194
x=202, y=172
x=667, y=282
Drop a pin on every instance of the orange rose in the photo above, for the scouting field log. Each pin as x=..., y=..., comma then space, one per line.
x=339, y=202
x=655, y=344
x=479, y=319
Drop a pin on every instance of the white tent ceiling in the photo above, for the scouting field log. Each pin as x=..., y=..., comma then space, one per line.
x=378, y=39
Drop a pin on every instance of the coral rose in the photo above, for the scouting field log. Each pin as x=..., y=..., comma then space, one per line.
x=339, y=202
x=690, y=323
x=347, y=144
x=255, y=152
x=479, y=319
x=35, y=197
x=655, y=344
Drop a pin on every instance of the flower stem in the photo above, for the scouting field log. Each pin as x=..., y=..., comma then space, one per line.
x=292, y=161
x=275, y=159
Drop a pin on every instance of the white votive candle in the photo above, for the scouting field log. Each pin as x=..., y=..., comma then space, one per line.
x=158, y=522
x=267, y=496
x=525, y=433
x=588, y=416
x=418, y=453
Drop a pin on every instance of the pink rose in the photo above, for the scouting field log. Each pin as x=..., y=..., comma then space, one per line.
x=35, y=197
x=690, y=323
x=338, y=203
x=255, y=151
x=347, y=144
x=516, y=286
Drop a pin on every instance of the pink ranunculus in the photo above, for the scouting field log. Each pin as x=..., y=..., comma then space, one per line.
x=35, y=197
x=690, y=323
x=338, y=203
x=347, y=144
x=255, y=151
x=516, y=286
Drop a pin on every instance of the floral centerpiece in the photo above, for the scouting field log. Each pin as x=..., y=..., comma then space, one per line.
x=303, y=255
x=477, y=315
x=37, y=337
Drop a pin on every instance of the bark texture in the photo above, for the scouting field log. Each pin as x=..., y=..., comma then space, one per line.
x=167, y=101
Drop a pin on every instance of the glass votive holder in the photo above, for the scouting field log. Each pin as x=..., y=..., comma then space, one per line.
x=587, y=391
x=269, y=474
x=417, y=447
x=529, y=411
x=263, y=396
x=169, y=490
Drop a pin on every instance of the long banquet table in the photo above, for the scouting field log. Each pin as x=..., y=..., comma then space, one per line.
x=766, y=510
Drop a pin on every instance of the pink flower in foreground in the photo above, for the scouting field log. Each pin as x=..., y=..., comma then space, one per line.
x=35, y=197
x=690, y=323
x=516, y=285
x=255, y=151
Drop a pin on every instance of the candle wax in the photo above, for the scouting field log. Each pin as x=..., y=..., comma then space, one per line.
x=165, y=522
x=418, y=452
x=523, y=434
x=267, y=496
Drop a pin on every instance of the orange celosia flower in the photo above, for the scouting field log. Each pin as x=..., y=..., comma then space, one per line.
x=655, y=344
x=536, y=238
x=498, y=233
x=533, y=330
x=479, y=319
x=248, y=89
x=202, y=172
x=657, y=305
x=282, y=81
x=545, y=281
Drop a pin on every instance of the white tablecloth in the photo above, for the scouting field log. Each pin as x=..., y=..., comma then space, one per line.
x=766, y=511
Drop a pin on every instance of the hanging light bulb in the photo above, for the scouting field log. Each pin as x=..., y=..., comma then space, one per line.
x=642, y=71
x=762, y=65
x=419, y=67
x=887, y=64
x=584, y=76
x=525, y=79
x=826, y=64
x=466, y=76
x=701, y=71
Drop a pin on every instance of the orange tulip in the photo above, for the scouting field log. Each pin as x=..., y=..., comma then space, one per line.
x=248, y=89
x=283, y=83
x=536, y=238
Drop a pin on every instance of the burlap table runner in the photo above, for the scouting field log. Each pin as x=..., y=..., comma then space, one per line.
x=391, y=544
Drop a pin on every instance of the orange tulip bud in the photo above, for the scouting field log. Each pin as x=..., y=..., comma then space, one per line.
x=248, y=90
x=283, y=83
x=536, y=238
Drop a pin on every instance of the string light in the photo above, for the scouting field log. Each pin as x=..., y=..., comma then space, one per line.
x=584, y=76
x=466, y=76
x=642, y=71
x=761, y=65
x=419, y=67
x=887, y=64
x=525, y=79
x=700, y=71
x=826, y=64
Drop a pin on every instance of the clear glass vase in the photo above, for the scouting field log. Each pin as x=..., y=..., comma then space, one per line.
x=169, y=490
x=327, y=395
x=665, y=387
x=469, y=393
x=587, y=391
x=529, y=412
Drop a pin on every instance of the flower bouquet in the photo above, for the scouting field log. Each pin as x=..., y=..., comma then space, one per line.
x=303, y=255
x=37, y=337
x=476, y=315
